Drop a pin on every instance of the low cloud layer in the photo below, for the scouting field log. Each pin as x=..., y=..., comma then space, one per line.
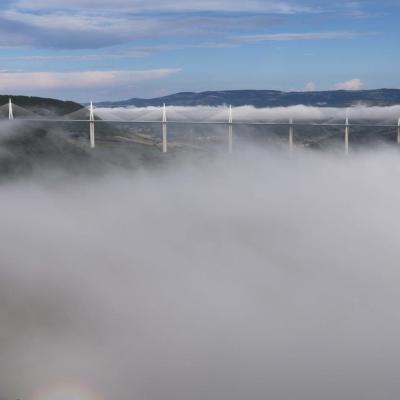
x=259, y=276
x=252, y=114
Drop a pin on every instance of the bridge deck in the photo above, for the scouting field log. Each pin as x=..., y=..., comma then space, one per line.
x=241, y=123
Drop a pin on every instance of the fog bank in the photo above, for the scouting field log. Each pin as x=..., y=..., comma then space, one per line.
x=250, y=113
x=256, y=276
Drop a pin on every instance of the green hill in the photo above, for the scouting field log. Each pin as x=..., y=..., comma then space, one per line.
x=40, y=104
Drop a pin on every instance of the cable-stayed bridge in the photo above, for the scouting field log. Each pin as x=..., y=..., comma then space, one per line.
x=160, y=116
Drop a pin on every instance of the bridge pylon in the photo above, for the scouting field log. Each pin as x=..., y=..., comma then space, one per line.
x=92, y=135
x=10, y=110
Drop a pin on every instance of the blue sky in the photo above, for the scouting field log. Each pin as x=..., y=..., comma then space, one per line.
x=109, y=50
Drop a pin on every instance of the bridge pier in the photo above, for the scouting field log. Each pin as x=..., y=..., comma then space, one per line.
x=398, y=131
x=10, y=110
x=92, y=136
x=230, y=131
x=164, y=131
x=291, y=134
x=230, y=123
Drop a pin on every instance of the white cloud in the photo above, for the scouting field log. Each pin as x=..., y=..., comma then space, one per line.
x=137, y=6
x=99, y=28
x=310, y=87
x=297, y=36
x=16, y=81
x=97, y=24
x=353, y=84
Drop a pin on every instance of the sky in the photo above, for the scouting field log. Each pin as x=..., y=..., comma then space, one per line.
x=112, y=50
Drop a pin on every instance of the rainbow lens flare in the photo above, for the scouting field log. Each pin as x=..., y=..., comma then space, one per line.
x=67, y=391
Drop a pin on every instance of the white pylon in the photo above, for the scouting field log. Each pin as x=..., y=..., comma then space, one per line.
x=398, y=131
x=230, y=130
x=291, y=134
x=164, y=129
x=92, y=136
x=10, y=110
x=346, y=135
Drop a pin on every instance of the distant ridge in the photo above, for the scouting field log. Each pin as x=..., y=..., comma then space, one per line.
x=269, y=98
